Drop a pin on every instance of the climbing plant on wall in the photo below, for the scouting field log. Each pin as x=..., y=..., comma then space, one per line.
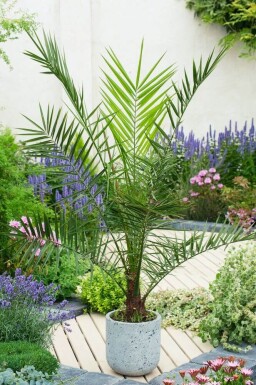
x=237, y=16
x=12, y=23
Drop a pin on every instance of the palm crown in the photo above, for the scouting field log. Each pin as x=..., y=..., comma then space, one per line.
x=118, y=143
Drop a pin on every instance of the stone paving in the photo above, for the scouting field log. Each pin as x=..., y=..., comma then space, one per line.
x=82, y=377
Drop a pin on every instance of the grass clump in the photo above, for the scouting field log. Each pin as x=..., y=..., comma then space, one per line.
x=16, y=354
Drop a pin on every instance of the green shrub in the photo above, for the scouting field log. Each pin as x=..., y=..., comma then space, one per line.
x=27, y=376
x=102, y=292
x=182, y=309
x=232, y=319
x=16, y=354
x=66, y=274
x=237, y=16
x=17, y=197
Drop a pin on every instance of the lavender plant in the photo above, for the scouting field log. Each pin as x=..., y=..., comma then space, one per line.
x=68, y=192
x=26, y=309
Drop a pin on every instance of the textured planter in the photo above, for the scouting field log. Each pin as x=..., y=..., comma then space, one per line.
x=133, y=349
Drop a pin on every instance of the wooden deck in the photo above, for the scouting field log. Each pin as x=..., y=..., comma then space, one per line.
x=84, y=347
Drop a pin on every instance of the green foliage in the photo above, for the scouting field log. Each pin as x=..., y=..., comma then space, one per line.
x=26, y=376
x=12, y=24
x=65, y=273
x=240, y=195
x=102, y=292
x=232, y=319
x=183, y=309
x=237, y=16
x=17, y=198
x=15, y=355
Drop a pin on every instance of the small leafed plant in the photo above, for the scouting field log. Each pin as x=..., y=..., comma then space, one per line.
x=232, y=320
x=102, y=292
x=26, y=376
x=26, y=309
x=119, y=139
x=220, y=371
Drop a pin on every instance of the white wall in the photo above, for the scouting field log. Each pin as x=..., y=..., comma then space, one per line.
x=86, y=27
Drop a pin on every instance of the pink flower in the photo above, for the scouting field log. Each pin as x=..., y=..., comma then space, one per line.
x=203, y=172
x=212, y=170
x=185, y=200
x=248, y=382
x=15, y=224
x=220, y=185
x=212, y=187
x=246, y=372
x=216, y=177
x=192, y=180
x=200, y=183
x=193, y=372
x=202, y=379
x=194, y=194
x=42, y=242
x=25, y=220
x=168, y=381
x=207, y=180
x=23, y=230
x=37, y=253
x=216, y=364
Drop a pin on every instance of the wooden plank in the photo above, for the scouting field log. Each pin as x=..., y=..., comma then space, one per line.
x=195, y=272
x=81, y=349
x=196, y=278
x=208, y=274
x=205, y=347
x=184, y=342
x=181, y=275
x=172, y=349
x=100, y=322
x=175, y=282
x=165, y=363
x=95, y=341
x=63, y=349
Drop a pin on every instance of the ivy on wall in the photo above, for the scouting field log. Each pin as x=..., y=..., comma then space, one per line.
x=237, y=16
x=12, y=23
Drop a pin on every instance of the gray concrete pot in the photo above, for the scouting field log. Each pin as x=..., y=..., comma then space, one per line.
x=133, y=349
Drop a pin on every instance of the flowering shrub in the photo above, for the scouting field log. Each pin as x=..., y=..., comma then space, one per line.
x=232, y=318
x=205, y=193
x=217, y=372
x=231, y=151
x=26, y=309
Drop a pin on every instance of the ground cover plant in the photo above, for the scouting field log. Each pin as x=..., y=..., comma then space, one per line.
x=183, y=309
x=131, y=114
x=26, y=376
x=17, y=354
x=27, y=312
x=232, y=318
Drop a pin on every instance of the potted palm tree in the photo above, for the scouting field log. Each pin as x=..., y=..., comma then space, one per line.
x=119, y=146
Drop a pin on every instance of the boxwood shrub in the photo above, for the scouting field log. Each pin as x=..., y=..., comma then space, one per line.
x=16, y=354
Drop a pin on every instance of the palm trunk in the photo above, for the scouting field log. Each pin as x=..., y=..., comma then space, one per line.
x=135, y=305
